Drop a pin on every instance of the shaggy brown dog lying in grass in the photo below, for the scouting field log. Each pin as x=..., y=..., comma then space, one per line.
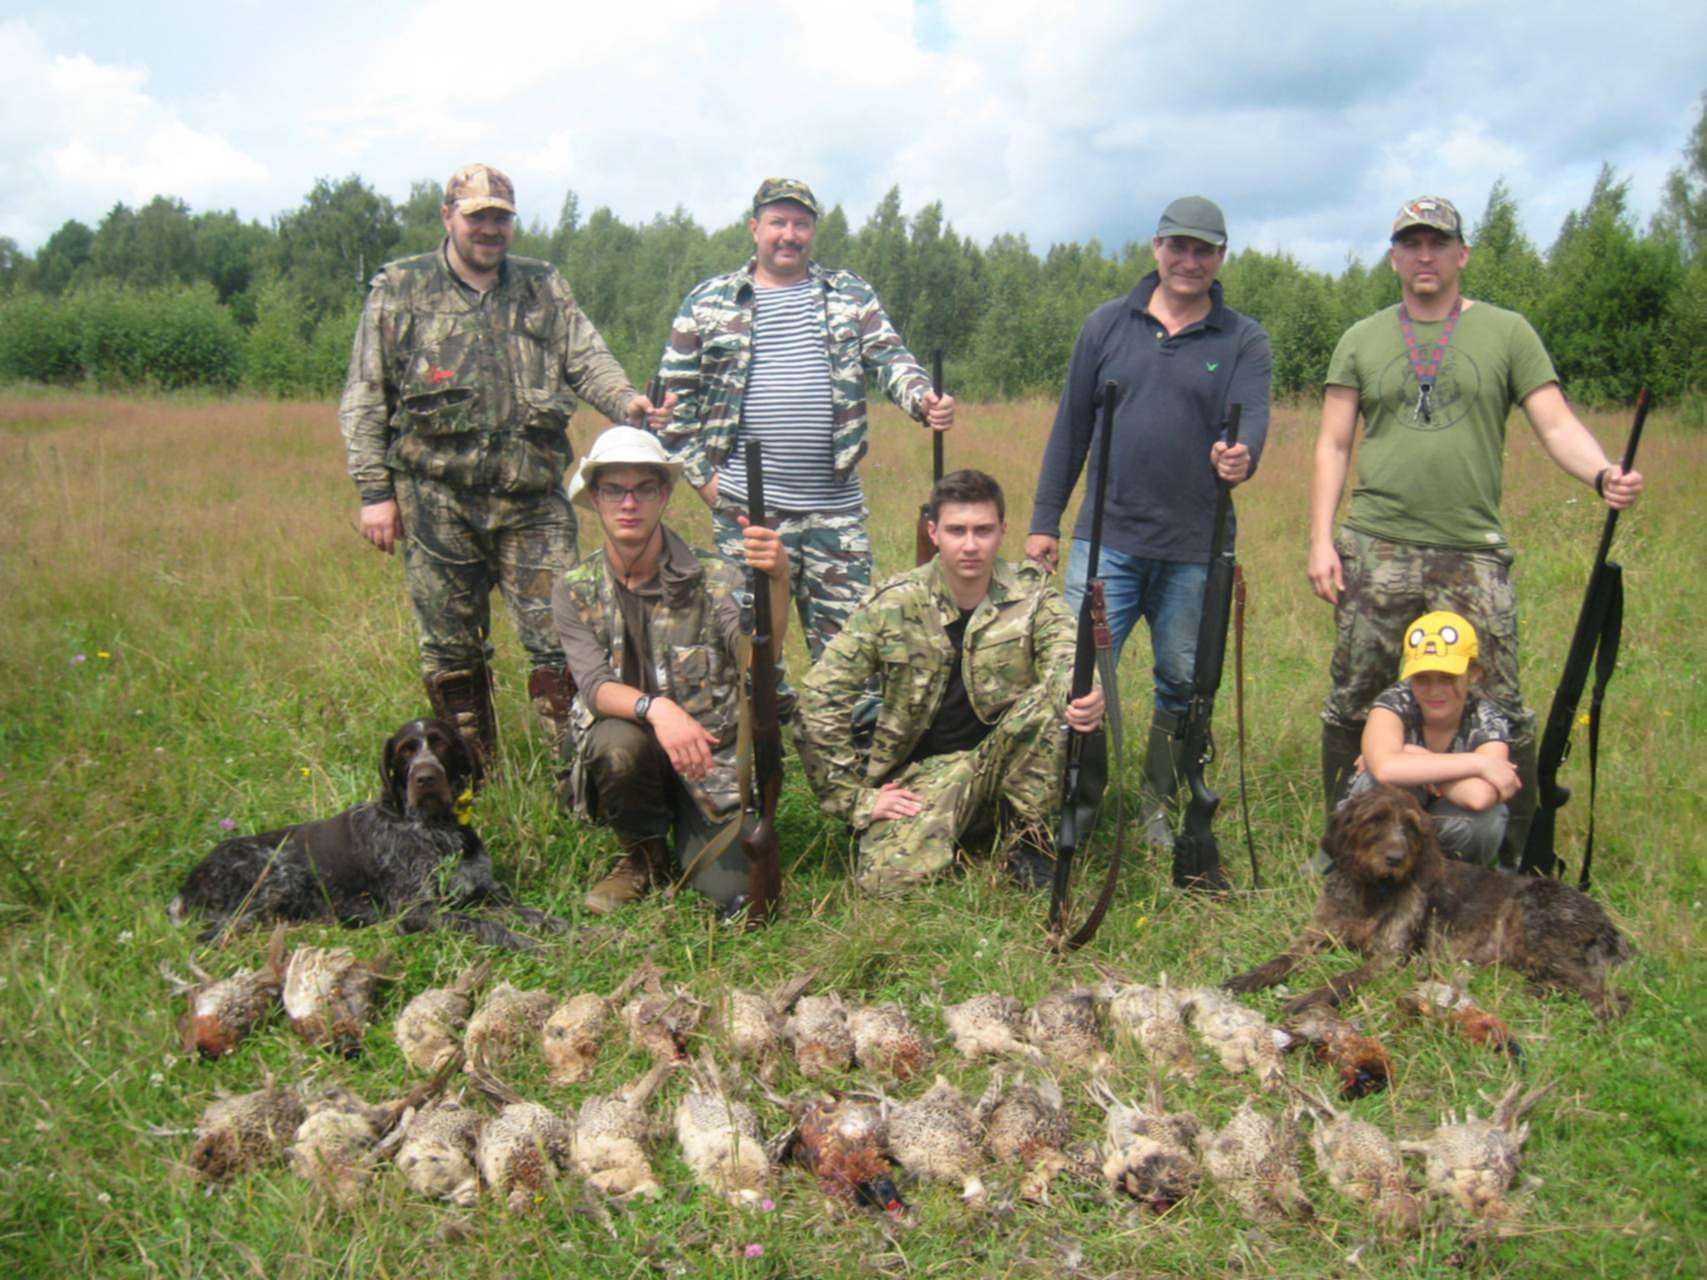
x=1391, y=892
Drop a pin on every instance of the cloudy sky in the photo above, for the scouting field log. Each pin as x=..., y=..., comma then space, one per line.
x=1309, y=122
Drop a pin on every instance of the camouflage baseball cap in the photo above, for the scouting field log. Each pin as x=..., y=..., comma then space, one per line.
x=479, y=186
x=773, y=189
x=1439, y=641
x=1436, y=212
x=1196, y=217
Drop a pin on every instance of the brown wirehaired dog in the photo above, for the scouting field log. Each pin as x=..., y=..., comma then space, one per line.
x=1391, y=893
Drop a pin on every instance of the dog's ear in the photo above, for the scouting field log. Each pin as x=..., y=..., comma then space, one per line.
x=394, y=786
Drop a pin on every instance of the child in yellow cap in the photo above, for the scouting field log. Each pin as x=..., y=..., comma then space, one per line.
x=1433, y=735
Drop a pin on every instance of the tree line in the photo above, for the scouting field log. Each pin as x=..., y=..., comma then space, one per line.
x=163, y=296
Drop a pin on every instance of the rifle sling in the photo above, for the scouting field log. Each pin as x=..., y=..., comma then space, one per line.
x=1117, y=752
x=1605, y=660
x=1239, y=709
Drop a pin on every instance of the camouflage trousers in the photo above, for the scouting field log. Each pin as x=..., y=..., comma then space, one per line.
x=829, y=565
x=1009, y=783
x=1389, y=585
x=635, y=791
x=458, y=544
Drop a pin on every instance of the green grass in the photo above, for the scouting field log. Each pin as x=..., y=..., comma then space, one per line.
x=257, y=652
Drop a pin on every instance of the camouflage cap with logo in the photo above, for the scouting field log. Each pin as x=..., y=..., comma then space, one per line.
x=479, y=186
x=1439, y=641
x=1435, y=212
x=772, y=190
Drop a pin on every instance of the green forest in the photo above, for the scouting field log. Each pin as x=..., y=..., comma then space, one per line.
x=165, y=297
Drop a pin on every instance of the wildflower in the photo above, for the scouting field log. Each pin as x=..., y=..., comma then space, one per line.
x=767, y=1204
x=228, y=824
x=103, y=655
x=156, y=1079
x=304, y=769
x=125, y=935
x=754, y=1251
x=77, y=659
x=104, y=1198
x=1582, y=720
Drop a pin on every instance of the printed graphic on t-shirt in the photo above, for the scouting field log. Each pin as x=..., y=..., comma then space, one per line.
x=1456, y=387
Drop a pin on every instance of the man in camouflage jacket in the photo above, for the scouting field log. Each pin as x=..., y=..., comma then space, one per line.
x=973, y=658
x=654, y=632
x=709, y=365
x=461, y=383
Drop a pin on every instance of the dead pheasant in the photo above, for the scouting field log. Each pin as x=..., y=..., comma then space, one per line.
x=1361, y=1060
x=936, y=1137
x=611, y=1133
x=843, y=1142
x=223, y=1011
x=1252, y=1158
x=579, y=1028
x=752, y=1023
x=436, y=1152
x=1064, y=1026
x=1473, y=1161
x=328, y=997
x=1150, y=1018
x=887, y=1042
x=1361, y=1162
x=1242, y=1038
x=818, y=1030
x=337, y=1144
x=1148, y=1151
x=720, y=1139
x=429, y=1030
x=1026, y=1125
x=660, y=1022
x=236, y=1134
x=989, y=1025
x=520, y=1150
x=508, y=1019
x=1447, y=1003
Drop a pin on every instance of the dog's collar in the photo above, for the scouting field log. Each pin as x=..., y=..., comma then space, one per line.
x=463, y=809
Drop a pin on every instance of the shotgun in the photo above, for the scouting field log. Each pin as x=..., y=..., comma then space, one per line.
x=1197, y=858
x=923, y=547
x=764, y=786
x=1085, y=769
x=1599, y=625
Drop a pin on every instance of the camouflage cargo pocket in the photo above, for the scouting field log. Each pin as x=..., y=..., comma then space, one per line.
x=697, y=675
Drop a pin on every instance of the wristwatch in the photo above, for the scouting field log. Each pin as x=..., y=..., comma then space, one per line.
x=642, y=705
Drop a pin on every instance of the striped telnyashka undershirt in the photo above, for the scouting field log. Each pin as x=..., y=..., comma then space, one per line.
x=787, y=409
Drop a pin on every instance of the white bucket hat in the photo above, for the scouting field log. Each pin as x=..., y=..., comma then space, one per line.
x=619, y=447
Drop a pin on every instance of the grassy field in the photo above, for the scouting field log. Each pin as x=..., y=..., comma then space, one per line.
x=195, y=636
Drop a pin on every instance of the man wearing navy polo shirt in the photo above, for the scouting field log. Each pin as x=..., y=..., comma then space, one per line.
x=1182, y=358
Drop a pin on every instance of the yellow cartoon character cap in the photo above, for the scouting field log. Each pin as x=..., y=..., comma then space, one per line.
x=1439, y=641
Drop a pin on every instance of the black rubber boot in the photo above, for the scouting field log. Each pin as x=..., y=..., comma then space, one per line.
x=1164, y=758
x=1520, y=809
x=1340, y=748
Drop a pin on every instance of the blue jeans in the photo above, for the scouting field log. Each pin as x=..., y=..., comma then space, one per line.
x=1167, y=593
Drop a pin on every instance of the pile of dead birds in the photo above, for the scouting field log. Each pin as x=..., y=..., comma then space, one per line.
x=463, y=1131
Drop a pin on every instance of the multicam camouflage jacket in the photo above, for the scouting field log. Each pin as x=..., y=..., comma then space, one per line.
x=710, y=352
x=691, y=663
x=1021, y=633
x=469, y=388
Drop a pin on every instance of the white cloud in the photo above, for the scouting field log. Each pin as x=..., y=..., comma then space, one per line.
x=92, y=134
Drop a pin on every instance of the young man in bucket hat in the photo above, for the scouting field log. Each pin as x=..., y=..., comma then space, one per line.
x=780, y=351
x=463, y=377
x=1434, y=379
x=654, y=633
x=1181, y=357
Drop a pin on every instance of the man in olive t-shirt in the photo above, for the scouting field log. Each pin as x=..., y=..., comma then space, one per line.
x=1435, y=379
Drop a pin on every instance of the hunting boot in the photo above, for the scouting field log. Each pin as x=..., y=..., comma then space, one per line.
x=643, y=863
x=1163, y=760
x=1340, y=749
x=551, y=690
x=464, y=699
x=1520, y=809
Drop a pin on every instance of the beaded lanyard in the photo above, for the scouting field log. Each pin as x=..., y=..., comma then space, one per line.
x=1428, y=370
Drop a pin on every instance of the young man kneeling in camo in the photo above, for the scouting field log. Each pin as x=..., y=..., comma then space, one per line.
x=973, y=659
x=653, y=631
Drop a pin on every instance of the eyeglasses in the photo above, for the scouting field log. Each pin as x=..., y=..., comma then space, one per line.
x=615, y=494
